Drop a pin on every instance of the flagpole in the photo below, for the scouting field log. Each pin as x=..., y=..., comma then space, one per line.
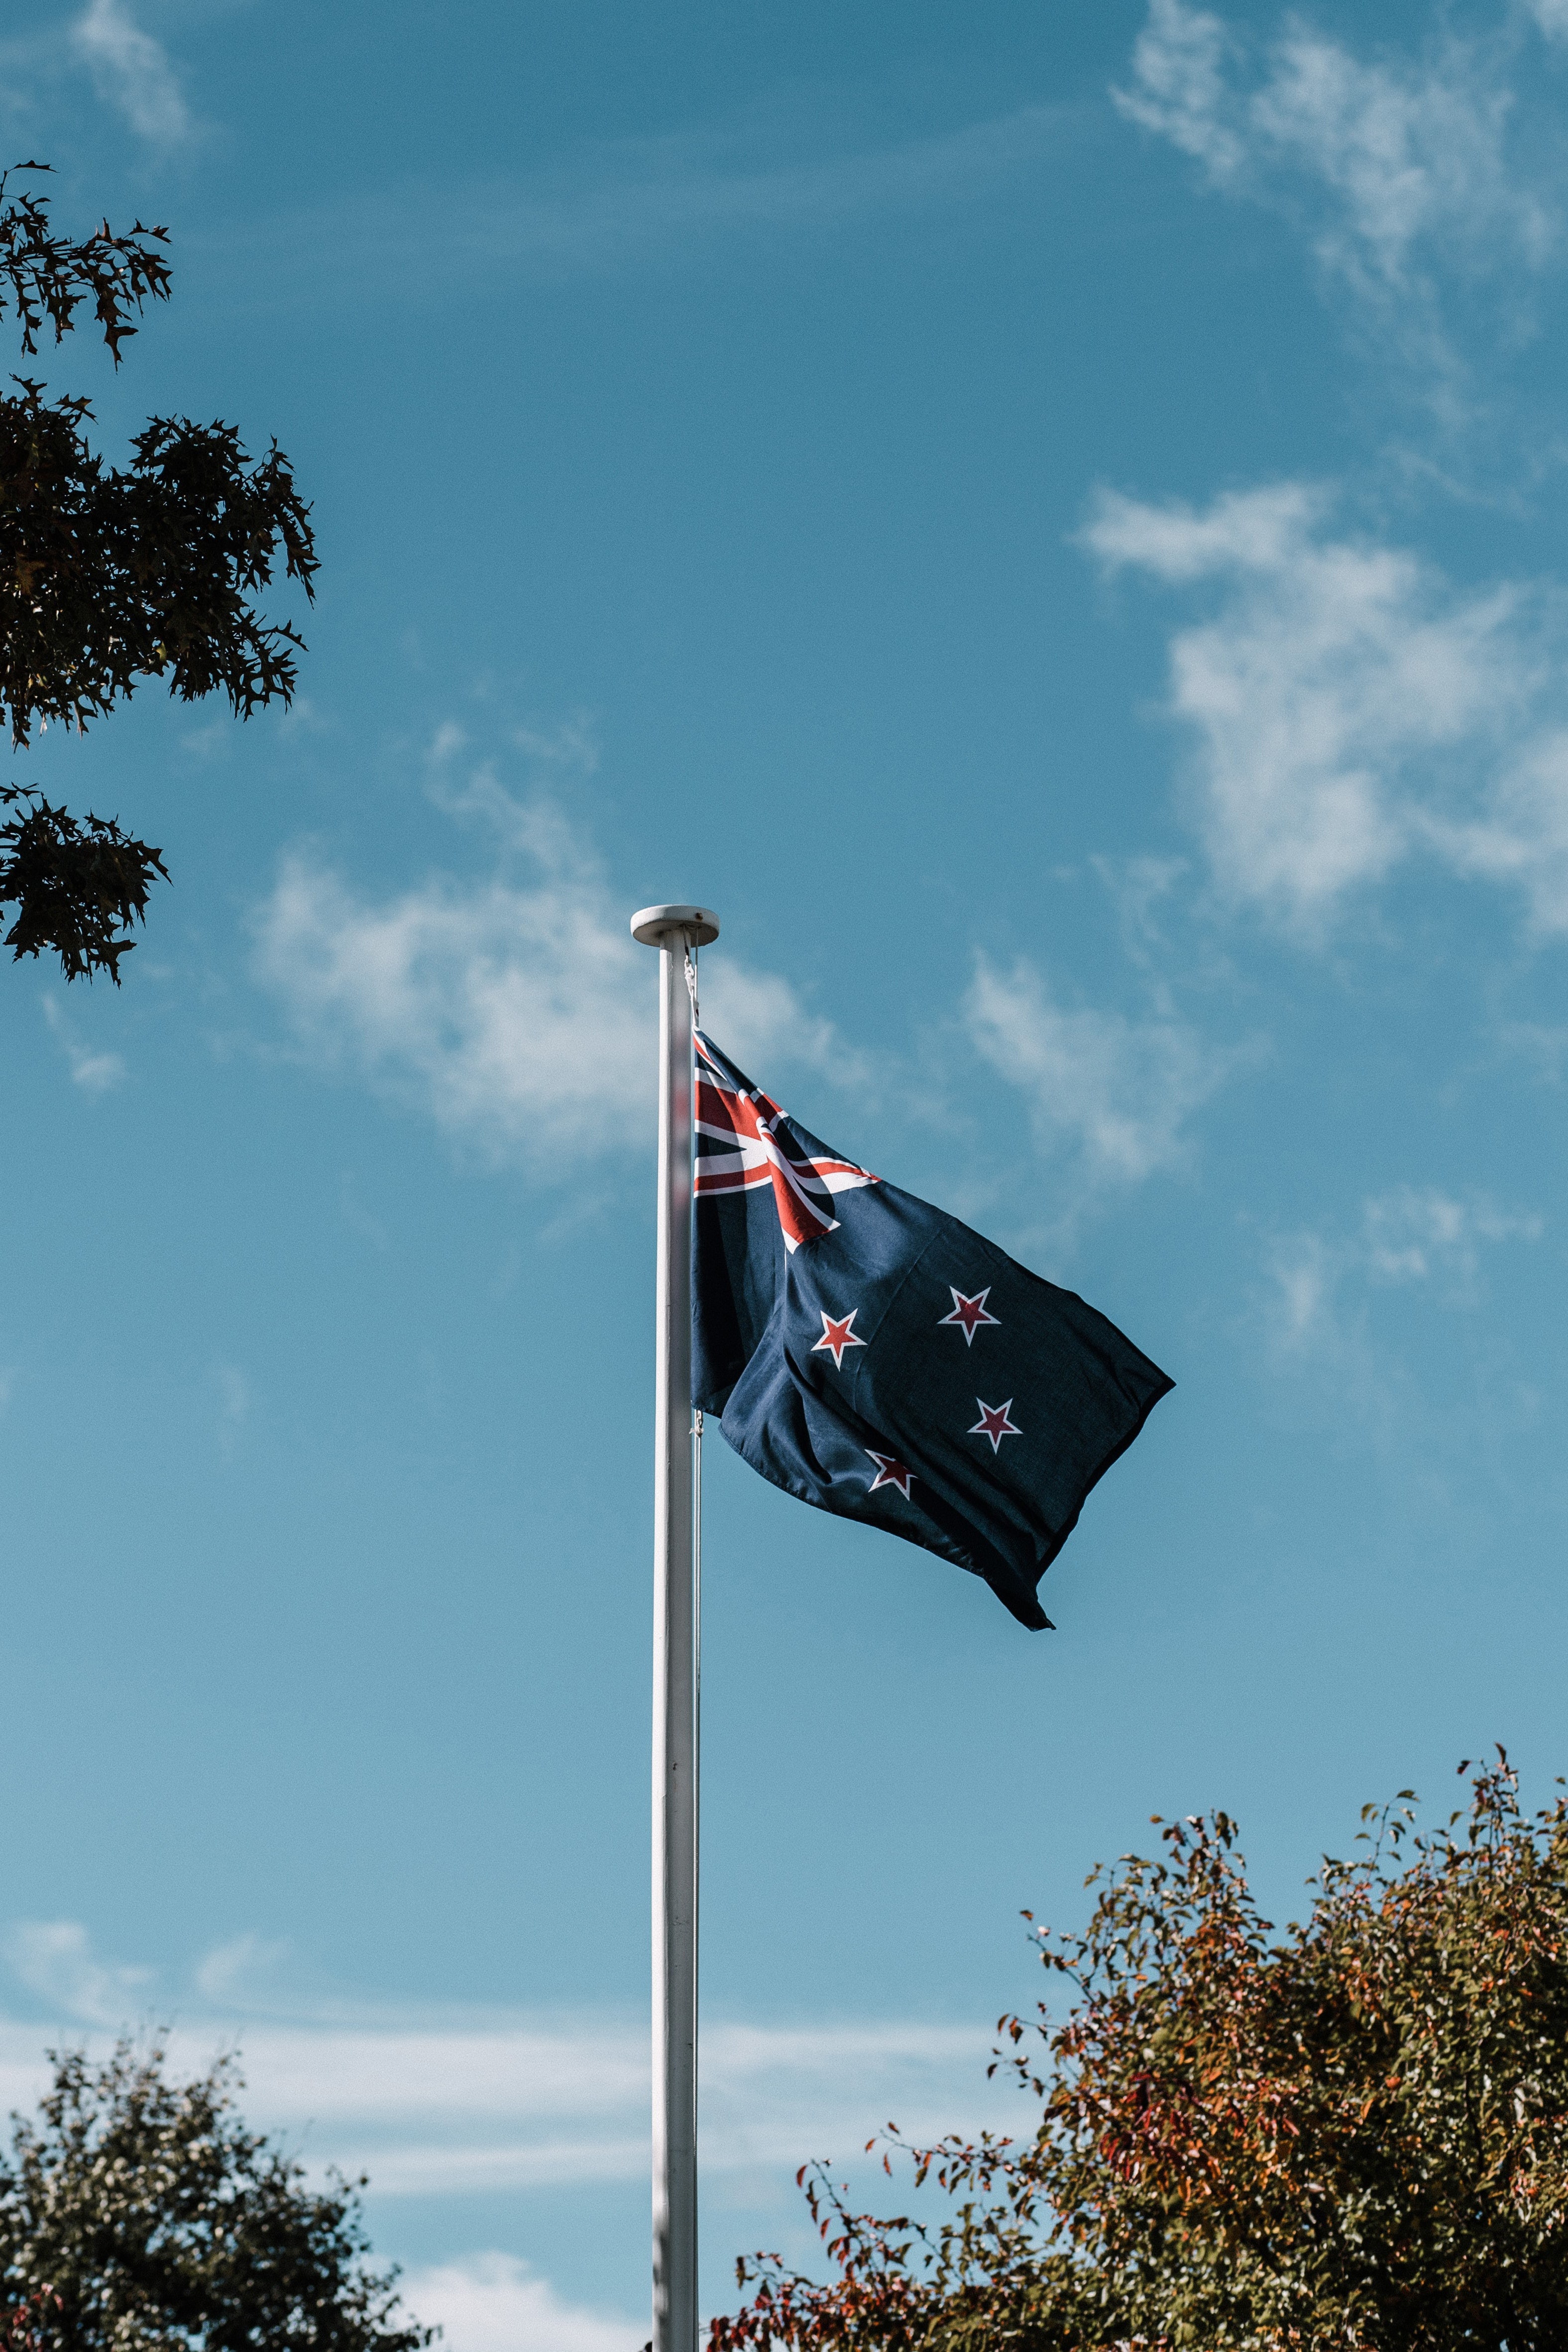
x=675, y=930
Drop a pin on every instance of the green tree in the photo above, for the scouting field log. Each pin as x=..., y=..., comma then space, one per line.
x=1351, y=2134
x=110, y=577
x=137, y=2214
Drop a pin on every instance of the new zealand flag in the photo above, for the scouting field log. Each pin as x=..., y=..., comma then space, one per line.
x=876, y=1358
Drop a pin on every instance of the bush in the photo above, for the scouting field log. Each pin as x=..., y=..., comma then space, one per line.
x=139, y=2215
x=1351, y=2134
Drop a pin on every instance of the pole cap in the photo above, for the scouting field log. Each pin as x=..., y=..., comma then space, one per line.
x=653, y=925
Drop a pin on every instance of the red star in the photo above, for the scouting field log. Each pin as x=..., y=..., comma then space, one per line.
x=891, y=1471
x=994, y=1423
x=968, y=1314
x=837, y=1337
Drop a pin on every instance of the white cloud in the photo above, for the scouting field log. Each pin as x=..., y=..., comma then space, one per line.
x=230, y=1971
x=1405, y=156
x=518, y=1012
x=1552, y=15
x=1413, y=1235
x=761, y=1012
x=493, y=2303
x=1179, y=86
x=509, y=1013
x=1398, y=169
x=95, y=1072
x=1251, y=531
x=1349, y=708
x=1416, y=1235
x=54, y=1958
x=131, y=72
x=448, y=2104
x=1521, y=836
x=1304, y=1273
x=1115, y=1093
x=452, y=2109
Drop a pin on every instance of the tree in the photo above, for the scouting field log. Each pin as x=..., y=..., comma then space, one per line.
x=109, y=578
x=139, y=2215
x=1351, y=2134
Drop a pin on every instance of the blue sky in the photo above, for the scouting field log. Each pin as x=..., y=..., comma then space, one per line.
x=1053, y=521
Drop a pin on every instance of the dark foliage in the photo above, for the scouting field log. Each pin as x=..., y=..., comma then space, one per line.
x=109, y=577
x=139, y=2215
x=1354, y=2135
x=76, y=887
x=49, y=276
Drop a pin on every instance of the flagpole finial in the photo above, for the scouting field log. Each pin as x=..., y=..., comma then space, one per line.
x=654, y=924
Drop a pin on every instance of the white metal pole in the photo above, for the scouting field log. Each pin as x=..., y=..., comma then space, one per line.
x=673, y=929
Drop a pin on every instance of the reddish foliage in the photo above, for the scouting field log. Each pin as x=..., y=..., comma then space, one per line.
x=1355, y=2132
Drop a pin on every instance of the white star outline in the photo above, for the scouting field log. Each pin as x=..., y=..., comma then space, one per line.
x=837, y=1335
x=891, y=1471
x=994, y=1423
x=968, y=1314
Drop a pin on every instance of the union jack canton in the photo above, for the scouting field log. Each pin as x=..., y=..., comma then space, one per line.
x=745, y=1140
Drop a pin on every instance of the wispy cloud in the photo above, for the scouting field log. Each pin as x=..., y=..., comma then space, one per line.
x=1404, y=152
x=95, y=1072
x=131, y=72
x=1348, y=707
x=1420, y=1235
x=234, y=1972
x=1112, y=1094
x=515, y=1010
x=1179, y=86
x=1399, y=167
x=636, y=203
x=446, y=2103
x=1412, y=1236
x=54, y=1958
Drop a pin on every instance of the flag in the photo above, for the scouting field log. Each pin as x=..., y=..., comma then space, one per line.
x=875, y=1357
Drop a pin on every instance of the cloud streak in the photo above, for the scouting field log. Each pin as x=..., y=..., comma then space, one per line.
x=433, y=2104
x=638, y=204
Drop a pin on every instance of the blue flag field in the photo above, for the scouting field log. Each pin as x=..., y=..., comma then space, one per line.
x=873, y=1356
